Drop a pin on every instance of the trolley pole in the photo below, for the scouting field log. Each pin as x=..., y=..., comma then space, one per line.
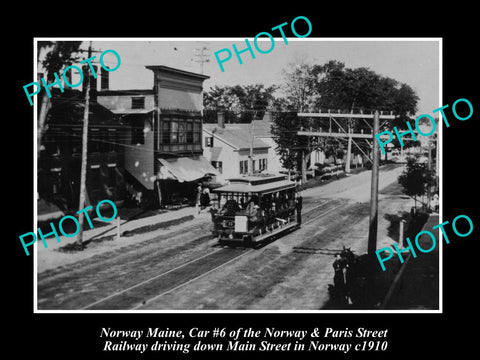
x=372, y=230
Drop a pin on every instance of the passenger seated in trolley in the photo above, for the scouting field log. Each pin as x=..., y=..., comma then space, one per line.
x=230, y=208
x=251, y=215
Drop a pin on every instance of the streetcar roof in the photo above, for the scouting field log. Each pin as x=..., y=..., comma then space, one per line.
x=252, y=184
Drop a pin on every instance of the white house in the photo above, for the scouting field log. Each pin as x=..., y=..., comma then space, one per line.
x=262, y=131
x=227, y=147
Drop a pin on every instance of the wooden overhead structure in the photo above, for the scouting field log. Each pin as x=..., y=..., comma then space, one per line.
x=373, y=221
x=345, y=133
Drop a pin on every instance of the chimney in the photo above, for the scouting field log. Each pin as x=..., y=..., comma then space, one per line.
x=221, y=119
x=268, y=116
x=104, y=79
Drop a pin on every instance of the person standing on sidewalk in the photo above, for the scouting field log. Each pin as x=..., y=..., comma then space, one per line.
x=197, y=200
x=298, y=206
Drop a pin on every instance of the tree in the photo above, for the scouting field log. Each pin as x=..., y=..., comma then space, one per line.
x=416, y=178
x=299, y=86
x=60, y=54
x=300, y=96
x=291, y=148
x=333, y=86
x=244, y=102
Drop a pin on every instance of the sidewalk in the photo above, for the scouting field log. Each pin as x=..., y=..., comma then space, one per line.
x=142, y=224
x=132, y=230
x=416, y=286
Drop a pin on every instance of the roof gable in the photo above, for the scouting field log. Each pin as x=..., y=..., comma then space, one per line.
x=236, y=135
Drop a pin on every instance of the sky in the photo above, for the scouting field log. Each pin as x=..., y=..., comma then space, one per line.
x=415, y=62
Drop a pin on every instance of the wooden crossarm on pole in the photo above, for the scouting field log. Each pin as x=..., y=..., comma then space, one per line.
x=346, y=115
x=338, y=135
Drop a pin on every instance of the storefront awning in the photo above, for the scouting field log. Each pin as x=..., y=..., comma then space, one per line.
x=188, y=168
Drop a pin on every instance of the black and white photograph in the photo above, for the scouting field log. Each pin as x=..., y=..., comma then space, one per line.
x=254, y=183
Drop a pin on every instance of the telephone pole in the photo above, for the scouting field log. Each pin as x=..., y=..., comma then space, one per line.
x=83, y=171
x=202, y=57
x=372, y=230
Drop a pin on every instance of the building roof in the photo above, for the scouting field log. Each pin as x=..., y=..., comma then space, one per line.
x=257, y=184
x=131, y=92
x=69, y=107
x=170, y=70
x=237, y=136
x=262, y=128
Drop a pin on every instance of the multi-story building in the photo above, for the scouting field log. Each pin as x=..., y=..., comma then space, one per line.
x=59, y=160
x=163, y=150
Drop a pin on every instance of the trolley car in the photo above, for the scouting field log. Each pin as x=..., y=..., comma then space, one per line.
x=252, y=209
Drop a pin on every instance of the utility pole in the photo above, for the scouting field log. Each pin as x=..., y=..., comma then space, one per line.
x=252, y=139
x=83, y=171
x=372, y=230
x=349, y=148
x=202, y=57
x=372, y=233
x=429, y=168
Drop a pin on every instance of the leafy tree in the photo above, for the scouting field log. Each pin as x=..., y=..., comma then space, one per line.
x=245, y=102
x=60, y=54
x=416, y=178
x=291, y=148
x=363, y=89
x=333, y=86
x=221, y=98
x=299, y=87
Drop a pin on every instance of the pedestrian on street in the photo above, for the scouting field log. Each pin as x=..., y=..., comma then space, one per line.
x=339, y=279
x=206, y=192
x=299, y=205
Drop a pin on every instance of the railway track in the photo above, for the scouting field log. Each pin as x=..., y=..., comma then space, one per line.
x=138, y=295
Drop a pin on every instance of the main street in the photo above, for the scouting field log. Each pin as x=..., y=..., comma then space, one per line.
x=187, y=270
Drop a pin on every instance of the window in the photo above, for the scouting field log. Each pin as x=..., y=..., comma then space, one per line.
x=218, y=166
x=166, y=132
x=173, y=132
x=209, y=141
x=138, y=102
x=243, y=166
x=197, y=132
x=262, y=165
x=189, y=132
x=181, y=132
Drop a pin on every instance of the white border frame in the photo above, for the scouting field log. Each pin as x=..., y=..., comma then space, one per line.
x=339, y=39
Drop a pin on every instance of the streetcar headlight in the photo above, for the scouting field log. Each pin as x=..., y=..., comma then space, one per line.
x=230, y=236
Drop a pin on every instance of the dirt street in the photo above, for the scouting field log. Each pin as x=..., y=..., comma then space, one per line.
x=293, y=272
x=184, y=269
